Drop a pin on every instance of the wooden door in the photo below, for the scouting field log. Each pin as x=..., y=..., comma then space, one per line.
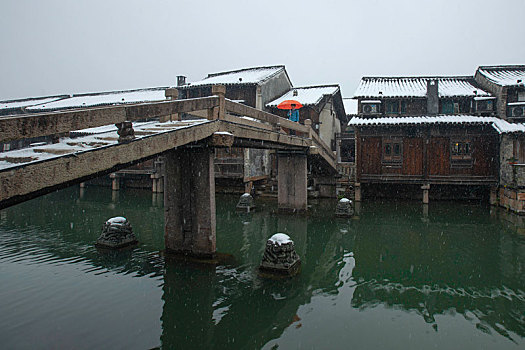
x=439, y=156
x=485, y=153
x=413, y=156
x=371, y=155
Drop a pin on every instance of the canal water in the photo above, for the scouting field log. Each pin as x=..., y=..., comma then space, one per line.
x=397, y=276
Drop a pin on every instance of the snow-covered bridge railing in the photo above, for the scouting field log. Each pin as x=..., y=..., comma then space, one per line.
x=44, y=124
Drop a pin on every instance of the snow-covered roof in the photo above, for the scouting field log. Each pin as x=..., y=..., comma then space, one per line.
x=307, y=95
x=504, y=75
x=501, y=126
x=26, y=102
x=103, y=98
x=417, y=87
x=350, y=106
x=245, y=76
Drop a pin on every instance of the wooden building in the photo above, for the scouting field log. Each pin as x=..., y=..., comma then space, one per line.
x=441, y=150
x=424, y=131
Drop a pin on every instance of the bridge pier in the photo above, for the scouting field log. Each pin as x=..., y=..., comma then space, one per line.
x=326, y=186
x=292, y=181
x=189, y=202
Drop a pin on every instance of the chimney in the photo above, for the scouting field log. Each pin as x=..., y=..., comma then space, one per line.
x=432, y=97
x=181, y=80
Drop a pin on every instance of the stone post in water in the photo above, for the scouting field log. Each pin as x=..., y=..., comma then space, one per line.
x=344, y=208
x=246, y=202
x=116, y=233
x=280, y=256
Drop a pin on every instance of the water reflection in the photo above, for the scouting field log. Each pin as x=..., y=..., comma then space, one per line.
x=451, y=273
x=459, y=261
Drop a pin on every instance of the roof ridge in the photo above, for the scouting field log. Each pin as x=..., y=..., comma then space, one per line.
x=421, y=77
x=116, y=91
x=210, y=75
x=502, y=67
x=315, y=86
x=23, y=99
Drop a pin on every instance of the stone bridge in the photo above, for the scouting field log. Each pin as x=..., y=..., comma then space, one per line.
x=189, y=196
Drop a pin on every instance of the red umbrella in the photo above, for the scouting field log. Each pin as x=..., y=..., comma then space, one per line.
x=287, y=104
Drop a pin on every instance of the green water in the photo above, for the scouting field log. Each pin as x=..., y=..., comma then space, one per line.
x=398, y=276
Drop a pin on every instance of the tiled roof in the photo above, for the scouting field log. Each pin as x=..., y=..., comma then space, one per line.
x=307, y=95
x=103, y=98
x=21, y=103
x=416, y=87
x=500, y=125
x=504, y=75
x=350, y=106
x=246, y=76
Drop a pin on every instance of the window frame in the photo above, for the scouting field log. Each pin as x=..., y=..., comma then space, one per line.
x=392, y=157
x=461, y=150
x=392, y=107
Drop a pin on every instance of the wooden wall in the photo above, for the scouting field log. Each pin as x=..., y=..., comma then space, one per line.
x=427, y=155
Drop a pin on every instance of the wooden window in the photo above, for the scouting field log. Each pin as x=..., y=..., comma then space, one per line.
x=461, y=153
x=392, y=107
x=392, y=151
x=447, y=107
x=404, y=106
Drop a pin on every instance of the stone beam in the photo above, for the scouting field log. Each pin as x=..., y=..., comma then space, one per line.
x=246, y=132
x=273, y=119
x=35, y=125
x=33, y=179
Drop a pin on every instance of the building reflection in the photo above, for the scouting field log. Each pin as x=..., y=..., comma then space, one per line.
x=435, y=267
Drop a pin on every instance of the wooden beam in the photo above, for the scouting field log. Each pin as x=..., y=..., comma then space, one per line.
x=35, y=125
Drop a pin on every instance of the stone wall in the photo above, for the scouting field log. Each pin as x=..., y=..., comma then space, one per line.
x=506, y=156
x=272, y=89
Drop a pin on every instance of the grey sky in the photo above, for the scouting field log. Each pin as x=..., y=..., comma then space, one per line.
x=66, y=46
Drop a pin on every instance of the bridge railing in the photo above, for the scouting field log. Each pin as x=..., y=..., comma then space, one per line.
x=278, y=122
x=217, y=106
x=51, y=123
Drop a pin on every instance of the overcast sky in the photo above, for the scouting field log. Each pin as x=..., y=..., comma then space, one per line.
x=65, y=46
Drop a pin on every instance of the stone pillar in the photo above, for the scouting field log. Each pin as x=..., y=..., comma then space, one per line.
x=189, y=202
x=292, y=179
x=220, y=111
x=125, y=131
x=493, y=196
x=425, y=189
x=357, y=192
x=115, y=182
x=158, y=175
x=171, y=94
